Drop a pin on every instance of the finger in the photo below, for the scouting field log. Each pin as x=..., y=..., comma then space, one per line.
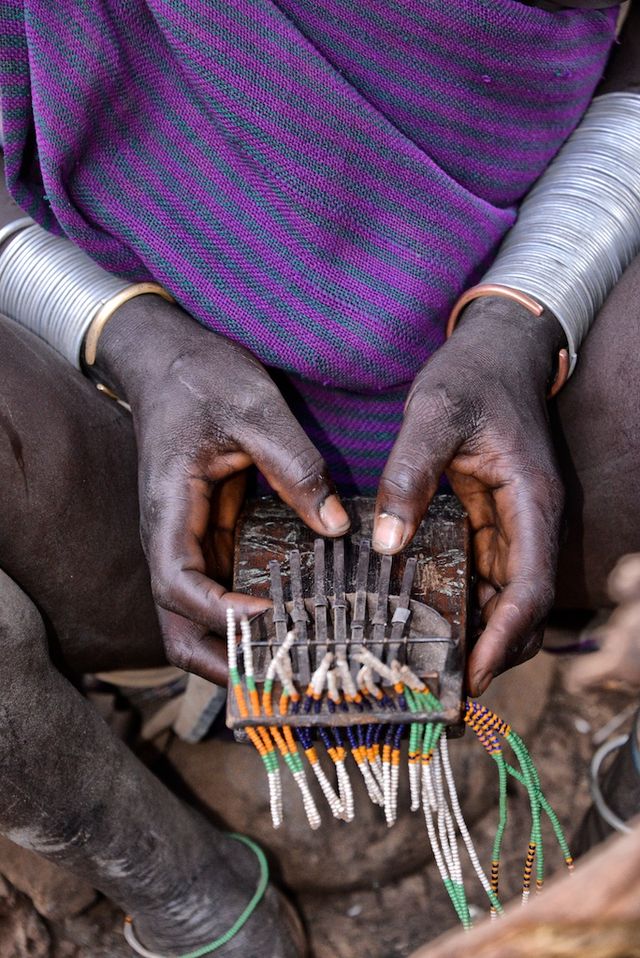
x=174, y=522
x=226, y=505
x=230, y=496
x=192, y=648
x=477, y=498
x=489, y=544
x=295, y=469
x=491, y=553
x=205, y=601
x=427, y=442
x=494, y=652
x=487, y=596
x=517, y=612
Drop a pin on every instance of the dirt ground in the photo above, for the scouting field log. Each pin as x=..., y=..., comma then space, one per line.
x=383, y=920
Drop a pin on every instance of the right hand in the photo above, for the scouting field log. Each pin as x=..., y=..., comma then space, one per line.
x=204, y=410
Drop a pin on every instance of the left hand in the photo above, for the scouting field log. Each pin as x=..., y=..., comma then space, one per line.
x=477, y=410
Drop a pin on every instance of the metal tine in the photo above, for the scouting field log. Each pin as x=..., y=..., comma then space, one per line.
x=339, y=602
x=359, y=610
x=320, y=600
x=402, y=614
x=300, y=619
x=379, y=620
x=279, y=611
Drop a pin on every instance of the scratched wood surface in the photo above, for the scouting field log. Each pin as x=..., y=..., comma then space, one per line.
x=269, y=530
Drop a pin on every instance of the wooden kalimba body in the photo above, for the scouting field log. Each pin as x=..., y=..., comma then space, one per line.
x=340, y=596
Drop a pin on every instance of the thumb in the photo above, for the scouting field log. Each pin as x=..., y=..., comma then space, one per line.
x=426, y=444
x=296, y=470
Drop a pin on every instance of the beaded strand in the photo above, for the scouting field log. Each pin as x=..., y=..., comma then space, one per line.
x=375, y=748
x=315, y=691
x=267, y=753
x=286, y=742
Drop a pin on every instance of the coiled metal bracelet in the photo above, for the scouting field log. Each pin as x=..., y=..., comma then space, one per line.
x=579, y=227
x=51, y=287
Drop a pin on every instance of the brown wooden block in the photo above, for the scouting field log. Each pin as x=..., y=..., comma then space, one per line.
x=433, y=640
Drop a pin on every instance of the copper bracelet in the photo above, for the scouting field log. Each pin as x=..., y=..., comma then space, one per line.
x=107, y=309
x=516, y=296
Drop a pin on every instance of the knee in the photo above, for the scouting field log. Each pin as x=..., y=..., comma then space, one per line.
x=22, y=631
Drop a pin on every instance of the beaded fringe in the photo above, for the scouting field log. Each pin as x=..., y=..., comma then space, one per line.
x=376, y=752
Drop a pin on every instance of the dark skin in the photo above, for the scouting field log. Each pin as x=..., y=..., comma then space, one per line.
x=478, y=411
x=479, y=414
x=69, y=541
x=472, y=411
x=204, y=410
x=488, y=430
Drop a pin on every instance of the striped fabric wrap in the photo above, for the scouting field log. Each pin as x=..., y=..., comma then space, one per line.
x=316, y=179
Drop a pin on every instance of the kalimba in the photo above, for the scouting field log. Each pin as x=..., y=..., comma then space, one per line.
x=339, y=596
x=362, y=655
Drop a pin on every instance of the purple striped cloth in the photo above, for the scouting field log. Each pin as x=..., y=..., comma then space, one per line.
x=316, y=179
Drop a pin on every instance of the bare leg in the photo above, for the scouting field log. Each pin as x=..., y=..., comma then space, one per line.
x=70, y=790
x=598, y=432
x=69, y=524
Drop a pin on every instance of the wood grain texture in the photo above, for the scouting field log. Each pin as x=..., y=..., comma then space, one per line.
x=270, y=531
x=594, y=912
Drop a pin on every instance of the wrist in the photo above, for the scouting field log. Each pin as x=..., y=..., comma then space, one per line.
x=500, y=332
x=139, y=342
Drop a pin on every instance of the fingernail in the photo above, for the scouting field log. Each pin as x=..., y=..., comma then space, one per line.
x=389, y=533
x=334, y=518
x=482, y=681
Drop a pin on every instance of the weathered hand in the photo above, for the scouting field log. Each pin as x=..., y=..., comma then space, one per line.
x=477, y=410
x=204, y=409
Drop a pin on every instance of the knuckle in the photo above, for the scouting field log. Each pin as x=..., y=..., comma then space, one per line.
x=164, y=588
x=259, y=404
x=431, y=401
x=402, y=481
x=178, y=652
x=308, y=471
x=181, y=365
x=163, y=594
x=441, y=403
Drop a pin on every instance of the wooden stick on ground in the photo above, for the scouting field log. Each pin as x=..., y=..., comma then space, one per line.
x=594, y=913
